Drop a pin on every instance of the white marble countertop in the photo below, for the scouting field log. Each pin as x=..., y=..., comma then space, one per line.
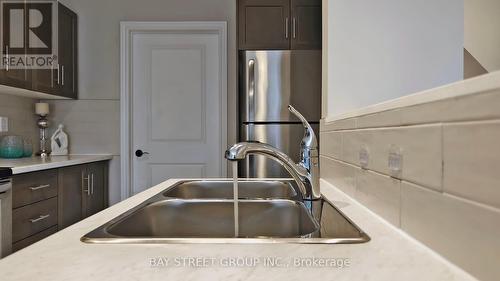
x=390, y=255
x=32, y=164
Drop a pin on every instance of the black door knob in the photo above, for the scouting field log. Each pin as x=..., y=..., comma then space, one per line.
x=140, y=153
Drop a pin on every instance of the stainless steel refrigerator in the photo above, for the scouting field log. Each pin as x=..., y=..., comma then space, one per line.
x=269, y=82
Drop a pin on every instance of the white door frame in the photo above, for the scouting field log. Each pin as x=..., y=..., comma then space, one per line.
x=127, y=29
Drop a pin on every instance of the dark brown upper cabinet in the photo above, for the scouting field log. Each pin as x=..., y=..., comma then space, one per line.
x=68, y=50
x=279, y=24
x=8, y=76
x=62, y=79
x=306, y=24
x=264, y=24
x=14, y=77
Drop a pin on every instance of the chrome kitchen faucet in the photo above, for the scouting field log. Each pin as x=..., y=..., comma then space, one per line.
x=305, y=173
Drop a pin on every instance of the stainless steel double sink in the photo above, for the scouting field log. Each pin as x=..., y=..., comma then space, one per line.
x=202, y=212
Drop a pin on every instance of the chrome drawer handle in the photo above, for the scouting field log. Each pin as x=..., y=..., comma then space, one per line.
x=88, y=189
x=40, y=218
x=33, y=188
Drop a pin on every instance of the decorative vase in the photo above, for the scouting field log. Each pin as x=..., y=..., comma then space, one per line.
x=11, y=147
x=28, y=148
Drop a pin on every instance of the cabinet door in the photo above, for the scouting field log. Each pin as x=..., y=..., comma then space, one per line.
x=264, y=24
x=68, y=63
x=95, y=202
x=9, y=76
x=44, y=80
x=72, y=184
x=306, y=24
x=14, y=77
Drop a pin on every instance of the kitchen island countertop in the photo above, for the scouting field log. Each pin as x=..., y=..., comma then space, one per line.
x=390, y=255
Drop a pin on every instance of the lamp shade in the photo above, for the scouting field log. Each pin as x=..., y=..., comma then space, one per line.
x=42, y=108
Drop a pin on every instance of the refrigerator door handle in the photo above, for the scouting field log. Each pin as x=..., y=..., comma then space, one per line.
x=251, y=89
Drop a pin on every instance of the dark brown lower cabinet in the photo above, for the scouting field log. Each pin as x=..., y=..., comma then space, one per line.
x=94, y=202
x=71, y=183
x=33, y=239
x=50, y=200
x=82, y=192
x=31, y=219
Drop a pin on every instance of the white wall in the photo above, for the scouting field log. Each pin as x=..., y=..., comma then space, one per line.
x=482, y=32
x=381, y=50
x=93, y=121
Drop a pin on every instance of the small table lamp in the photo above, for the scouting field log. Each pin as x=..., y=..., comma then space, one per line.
x=42, y=110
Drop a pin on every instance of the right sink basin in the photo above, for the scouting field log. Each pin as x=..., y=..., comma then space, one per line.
x=207, y=189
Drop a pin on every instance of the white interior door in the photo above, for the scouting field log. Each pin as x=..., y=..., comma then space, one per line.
x=176, y=105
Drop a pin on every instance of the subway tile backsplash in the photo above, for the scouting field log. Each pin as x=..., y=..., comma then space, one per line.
x=462, y=231
x=447, y=194
x=22, y=118
x=380, y=193
x=472, y=161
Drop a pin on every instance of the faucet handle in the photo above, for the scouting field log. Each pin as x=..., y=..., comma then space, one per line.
x=309, y=139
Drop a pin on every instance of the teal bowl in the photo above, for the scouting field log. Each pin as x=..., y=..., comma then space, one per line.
x=28, y=148
x=11, y=147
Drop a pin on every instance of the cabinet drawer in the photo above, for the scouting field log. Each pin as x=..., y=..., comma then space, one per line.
x=33, y=218
x=33, y=187
x=33, y=239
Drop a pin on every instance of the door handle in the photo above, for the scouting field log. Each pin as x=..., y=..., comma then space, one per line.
x=140, y=153
x=86, y=178
x=34, y=188
x=7, y=56
x=92, y=184
x=286, y=28
x=251, y=89
x=62, y=75
x=294, y=28
x=40, y=218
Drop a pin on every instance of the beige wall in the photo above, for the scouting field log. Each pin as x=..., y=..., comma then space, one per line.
x=93, y=121
x=447, y=194
x=472, y=67
x=22, y=119
x=482, y=35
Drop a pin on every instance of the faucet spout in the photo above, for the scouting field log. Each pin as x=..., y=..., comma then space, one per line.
x=305, y=173
x=299, y=173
